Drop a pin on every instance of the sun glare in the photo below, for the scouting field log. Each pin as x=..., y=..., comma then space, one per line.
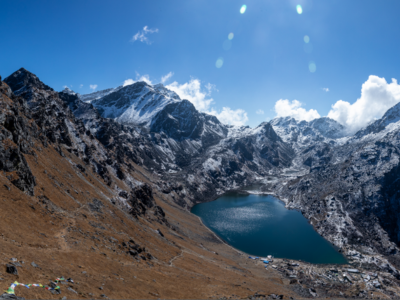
x=243, y=9
x=219, y=63
x=312, y=67
x=299, y=9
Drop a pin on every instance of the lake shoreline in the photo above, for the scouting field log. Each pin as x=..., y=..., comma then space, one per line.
x=299, y=236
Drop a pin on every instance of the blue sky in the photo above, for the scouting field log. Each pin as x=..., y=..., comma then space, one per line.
x=73, y=43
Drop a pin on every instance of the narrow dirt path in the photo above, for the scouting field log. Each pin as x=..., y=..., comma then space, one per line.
x=175, y=257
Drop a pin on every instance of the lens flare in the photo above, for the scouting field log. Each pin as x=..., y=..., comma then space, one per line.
x=306, y=39
x=219, y=63
x=299, y=9
x=312, y=67
x=230, y=36
x=243, y=9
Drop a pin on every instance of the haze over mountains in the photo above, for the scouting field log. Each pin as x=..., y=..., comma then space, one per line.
x=143, y=140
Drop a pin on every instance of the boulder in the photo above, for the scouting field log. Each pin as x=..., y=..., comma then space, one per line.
x=12, y=269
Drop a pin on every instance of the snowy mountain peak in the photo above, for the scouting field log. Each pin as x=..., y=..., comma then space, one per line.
x=391, y=117
x=135, y=104
x=180, y=120
x=301, y=134
x=67, y=90
x=266, y=129
x=284, y=121
x=328, y=127
x=88, y=98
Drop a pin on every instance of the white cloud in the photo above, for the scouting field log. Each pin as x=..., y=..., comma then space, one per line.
x=325, y=89
x=166, y=77
x=145, y=78
x=285, y=108
x=259, y=112
x=201, y=99
x=377, y=96
x=65, y=86
x=128, y=82
x=93, y=86
x=210, y=87
x=142, y=35
x=229, y=116
x=199, y=96
x=192, y=91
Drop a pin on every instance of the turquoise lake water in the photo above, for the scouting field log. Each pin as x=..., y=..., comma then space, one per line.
x=260, y=225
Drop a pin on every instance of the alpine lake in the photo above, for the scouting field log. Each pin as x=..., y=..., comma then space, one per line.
x=260, y=225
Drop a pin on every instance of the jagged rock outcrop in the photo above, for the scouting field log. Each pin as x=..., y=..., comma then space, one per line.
x=141, y=201
x=16, y=133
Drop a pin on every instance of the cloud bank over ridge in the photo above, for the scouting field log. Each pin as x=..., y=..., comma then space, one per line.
x=200, y=96
x=377, y=96
x=201, y=99
x=285, y=108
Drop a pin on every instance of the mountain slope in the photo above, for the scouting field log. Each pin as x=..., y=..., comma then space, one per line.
x=389, y=122
x=67, y=207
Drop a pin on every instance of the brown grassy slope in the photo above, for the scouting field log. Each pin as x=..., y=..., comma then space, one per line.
x=66, y=235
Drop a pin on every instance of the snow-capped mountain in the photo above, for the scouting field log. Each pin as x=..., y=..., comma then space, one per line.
x=88, y=98
x=310, y=140
x=67, y=90
x=180, y=120
x=301, y=134
x=389, y=122
x=134, y=104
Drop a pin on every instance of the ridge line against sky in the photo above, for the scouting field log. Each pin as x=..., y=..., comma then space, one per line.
x=264, y=58
x=377, y=96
